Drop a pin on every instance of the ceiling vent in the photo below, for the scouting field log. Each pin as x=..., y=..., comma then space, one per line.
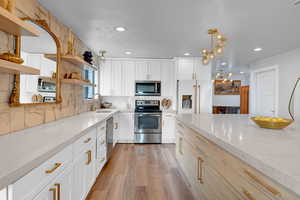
x=296, y=2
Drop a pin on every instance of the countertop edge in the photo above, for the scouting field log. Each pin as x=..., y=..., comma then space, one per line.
x=233, y=150
x=12, y=177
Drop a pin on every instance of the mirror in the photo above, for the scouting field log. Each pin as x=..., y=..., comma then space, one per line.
x=45, y=87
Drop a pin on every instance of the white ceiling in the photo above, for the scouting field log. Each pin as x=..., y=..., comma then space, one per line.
x=169, y=28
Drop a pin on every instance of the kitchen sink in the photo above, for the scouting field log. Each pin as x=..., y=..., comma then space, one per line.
x=103, y=111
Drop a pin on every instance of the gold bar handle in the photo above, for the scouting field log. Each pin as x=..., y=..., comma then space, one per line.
x=88, y=140
x=263, y=184
x=180, y=146
x=57, y=185
x=200, y=170
x=89, y=153
x=248, y=194
x=54, y=193
x=56, y=166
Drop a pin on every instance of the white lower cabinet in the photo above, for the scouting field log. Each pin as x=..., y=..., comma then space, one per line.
x=126, y=128
x=84, y=169
x=168, y=128
x=60, y=188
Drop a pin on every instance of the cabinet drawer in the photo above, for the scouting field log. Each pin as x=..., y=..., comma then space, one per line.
x=82, y=143
x=32, y=183
x=101, y=130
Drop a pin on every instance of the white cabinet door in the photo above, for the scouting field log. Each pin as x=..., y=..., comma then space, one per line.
x=141, y=70
x=154, y=70
x=79, y=174
x=90, y=170
x=168, y=78
x=128, y=78
x=126, y=128
x=61, y=186
x=185, y=69
x=105, y=78
x=47, y=67
x=116, y=78
x=168, y=129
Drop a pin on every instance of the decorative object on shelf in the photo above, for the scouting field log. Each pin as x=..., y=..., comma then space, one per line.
x=102, y=54
x=231, y=87
x=71, y=49
x=106, y=105
x=217, y=46
x=15, y=94
x=75, y=75
x=88, y=57
x=166, y=103
x=11, y=58
x=272, y=122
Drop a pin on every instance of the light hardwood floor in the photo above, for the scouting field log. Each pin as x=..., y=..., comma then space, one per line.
x=141, y=172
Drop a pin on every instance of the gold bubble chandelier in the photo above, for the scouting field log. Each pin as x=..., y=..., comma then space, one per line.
x=218, y=42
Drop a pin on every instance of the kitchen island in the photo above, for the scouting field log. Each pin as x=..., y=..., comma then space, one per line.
x=236, y=148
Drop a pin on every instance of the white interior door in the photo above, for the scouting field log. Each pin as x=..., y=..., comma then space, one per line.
x=265, y=93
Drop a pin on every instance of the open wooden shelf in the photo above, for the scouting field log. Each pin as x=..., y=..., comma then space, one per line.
x=76, y=60
x=13, y=68
x=11, y=24
x=77, y=82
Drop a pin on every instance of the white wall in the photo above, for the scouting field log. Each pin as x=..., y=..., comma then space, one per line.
x=289, y=71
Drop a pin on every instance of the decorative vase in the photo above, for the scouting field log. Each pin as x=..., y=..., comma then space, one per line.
x=11, y=6
x=4, y=4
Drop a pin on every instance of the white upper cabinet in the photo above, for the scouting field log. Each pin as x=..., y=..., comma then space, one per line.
x=116, y=78
x=154, y=70
x=141, y=70
x=168, y=82
x=106, y=78
x=185, y=69
x=128, y=78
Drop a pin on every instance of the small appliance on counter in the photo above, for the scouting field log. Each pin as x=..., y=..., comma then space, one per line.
x=147, y=88
x=147, y=122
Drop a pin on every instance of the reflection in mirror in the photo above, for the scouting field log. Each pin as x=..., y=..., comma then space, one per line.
x=38, y=88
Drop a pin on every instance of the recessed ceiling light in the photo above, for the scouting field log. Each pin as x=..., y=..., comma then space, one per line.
x=120, y=29
x=224, y=63
x=187, y=54
x=128, y=52
x=257, y=49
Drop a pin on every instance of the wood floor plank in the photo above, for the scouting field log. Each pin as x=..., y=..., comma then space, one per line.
x=141, y=172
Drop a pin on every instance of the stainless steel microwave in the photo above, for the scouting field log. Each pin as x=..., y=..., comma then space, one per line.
x=147, y=88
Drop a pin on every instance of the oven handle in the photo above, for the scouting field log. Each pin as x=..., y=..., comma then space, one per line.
x=152, y=114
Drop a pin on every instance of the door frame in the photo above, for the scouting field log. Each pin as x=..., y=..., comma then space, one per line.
x=253, y=88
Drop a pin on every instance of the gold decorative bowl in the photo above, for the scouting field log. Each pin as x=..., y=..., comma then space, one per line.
x=272, y=122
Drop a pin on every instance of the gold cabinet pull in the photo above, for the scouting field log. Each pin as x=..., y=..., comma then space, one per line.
x=88, y=140
x=57, y=185
x=248, y=194
x=89, y=153
x=54, y=193
x=180, y=146
x=102, y=160
x=263, y=184
x=56, y=166
x=200, y=170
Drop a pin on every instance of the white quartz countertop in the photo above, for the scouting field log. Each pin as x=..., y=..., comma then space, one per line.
x=22, y=151
x=275, y=153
